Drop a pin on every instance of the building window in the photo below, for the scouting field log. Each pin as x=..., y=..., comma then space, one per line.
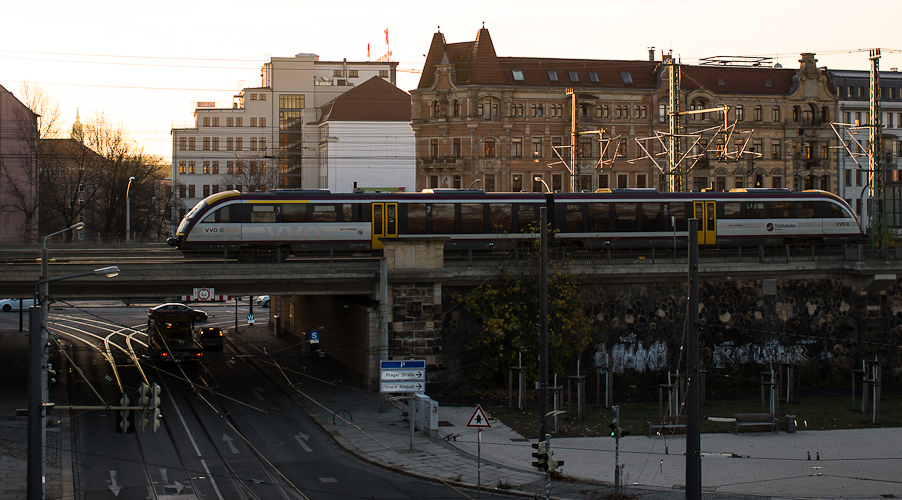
x=206, y=121
x=352, y=73
x=191, y=143
x=263, y=144
x=239, y=121
x=740, y=113
x=183, y=143
x=238, y=144
x=456, y=148
x=433, y=148
x=215, y=121
x=593, y=77
x=230, y=165
x=206, y=190
x=517, y=183
x=518, y=75
x=182, y=191
x=537, y=147
x=641, y=181
x=456, y=108
x=437, y=109
x=604, y=111
x=216, y=144
x=489, y=148
x=825, y=150
x=230, y=144
x=517, y=147
x=191, y=191
x=191, y=167
x=262, y=121
x=775, y=114
x=230, y=121
x=206, y=143
x=776, y=149
x=253, y=97
x=574, y=76
x=206, y=167
x=215, y=169
x=623, y=181
x=848, y=177
x=253, y=144
x=552, y=75
x=253, y=121
x=183, y=166
x=383, y=73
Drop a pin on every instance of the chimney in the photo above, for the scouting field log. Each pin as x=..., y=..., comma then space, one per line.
x=651, y=53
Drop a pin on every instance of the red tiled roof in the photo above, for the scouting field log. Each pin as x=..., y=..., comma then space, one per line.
x=722, y=79
x=374, y=100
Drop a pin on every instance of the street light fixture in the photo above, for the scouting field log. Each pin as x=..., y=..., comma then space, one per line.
x=36, y=428
x=539, y=179
x=128, y=212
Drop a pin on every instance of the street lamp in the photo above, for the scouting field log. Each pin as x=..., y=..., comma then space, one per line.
x=539, y=179
x=473, y=184
x=128, y=212
x=36, y=428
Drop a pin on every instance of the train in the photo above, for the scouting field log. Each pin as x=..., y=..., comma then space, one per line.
x=297, y=220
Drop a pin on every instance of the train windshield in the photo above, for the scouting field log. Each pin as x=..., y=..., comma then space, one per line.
x=199, y=208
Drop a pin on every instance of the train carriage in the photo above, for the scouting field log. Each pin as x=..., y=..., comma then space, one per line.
x=318, y=219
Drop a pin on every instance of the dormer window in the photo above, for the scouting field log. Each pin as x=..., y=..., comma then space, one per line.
x=626, y=76
x=593, y=77
x=518, y=75
x=767, y=83
x=552, y=75
x=720, y=81
x=574, y=77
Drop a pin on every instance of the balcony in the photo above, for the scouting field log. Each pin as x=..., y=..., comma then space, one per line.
x=441, y=161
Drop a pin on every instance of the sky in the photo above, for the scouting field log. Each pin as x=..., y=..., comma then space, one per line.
x=145, y=64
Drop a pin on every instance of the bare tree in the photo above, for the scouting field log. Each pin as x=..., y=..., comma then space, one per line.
x=253, y=173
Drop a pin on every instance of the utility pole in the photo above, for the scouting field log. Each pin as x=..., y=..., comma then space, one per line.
x=876, y=209
x=693, y=425
x=673, y=158
x=574, y=138
x=543, y=321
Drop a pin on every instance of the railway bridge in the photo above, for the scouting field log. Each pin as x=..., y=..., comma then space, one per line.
x=394, y=300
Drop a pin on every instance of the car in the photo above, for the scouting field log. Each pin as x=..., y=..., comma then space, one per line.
x=8, y=305
x=263, y=301
x=174, y=307
x=211, y=338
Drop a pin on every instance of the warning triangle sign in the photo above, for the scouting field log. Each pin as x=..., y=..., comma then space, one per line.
x=478, y=419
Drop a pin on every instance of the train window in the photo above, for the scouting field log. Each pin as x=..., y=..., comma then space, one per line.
x=442, y=218
x=500, y=220
x=325, y=213
x=625, y=217
x=573, y=219
x=263, y=214
x=347, y=212
x=527, y=219
x=832, y=211
x=754, y=210
x=677, y=213
x=220, y=215
x=599, y=217
x=416, y=218
x=653, y=217
x=803, y=209
x=294, y=212
x=471, y=218
x=731, y=210
x=779, y=209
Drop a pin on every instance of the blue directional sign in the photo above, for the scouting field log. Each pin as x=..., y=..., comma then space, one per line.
x=405, y=363
x=314, y=337
x=250, y=319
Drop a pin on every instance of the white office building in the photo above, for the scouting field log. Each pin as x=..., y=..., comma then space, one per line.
x=268, y=136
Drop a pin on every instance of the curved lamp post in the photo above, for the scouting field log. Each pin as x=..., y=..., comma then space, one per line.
x=34, y=468
x=128, y=212
x=539, y=179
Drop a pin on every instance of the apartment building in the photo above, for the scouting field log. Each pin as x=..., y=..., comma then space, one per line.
x=19, y=143
x=507, y=123
x=853, y=115
x=268, y=136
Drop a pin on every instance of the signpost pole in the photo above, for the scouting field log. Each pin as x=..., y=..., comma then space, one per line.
x=410, y=406
x=478, y=461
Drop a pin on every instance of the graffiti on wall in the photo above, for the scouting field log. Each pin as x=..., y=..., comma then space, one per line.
x=729, y=355
x=630, y=354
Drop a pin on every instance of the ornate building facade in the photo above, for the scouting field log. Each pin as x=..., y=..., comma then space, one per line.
x=507, y=123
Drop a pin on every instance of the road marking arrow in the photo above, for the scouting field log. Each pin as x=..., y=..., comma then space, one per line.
x=228, y=439
x=114, y=483
x=302, y=438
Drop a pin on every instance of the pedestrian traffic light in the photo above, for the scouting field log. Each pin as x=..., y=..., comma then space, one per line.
x=616, y=431
x=155, y=406
x=613, y=426
x=552, y=463
x=124, y=422
x=144, y=402
x=541, y=456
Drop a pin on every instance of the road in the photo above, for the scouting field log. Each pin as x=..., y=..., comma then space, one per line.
x=228, y=431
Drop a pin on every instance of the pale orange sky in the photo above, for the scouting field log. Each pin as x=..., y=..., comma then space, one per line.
x=145, y=64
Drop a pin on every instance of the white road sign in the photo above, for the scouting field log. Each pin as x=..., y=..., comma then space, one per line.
x=402, y=387
x=402, y=375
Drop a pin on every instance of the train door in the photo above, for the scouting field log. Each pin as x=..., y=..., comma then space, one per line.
x=705, y=212
x=385, y=224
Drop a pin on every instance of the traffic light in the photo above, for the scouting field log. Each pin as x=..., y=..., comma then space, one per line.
x=51, y=376
x=155, y=406
x=541, y=456
x=124, y=423
x=552, y=463
x=144, y=402
x=613, y=426
x=616, y=431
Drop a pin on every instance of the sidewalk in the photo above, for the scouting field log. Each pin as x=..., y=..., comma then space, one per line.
x=851, y=464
